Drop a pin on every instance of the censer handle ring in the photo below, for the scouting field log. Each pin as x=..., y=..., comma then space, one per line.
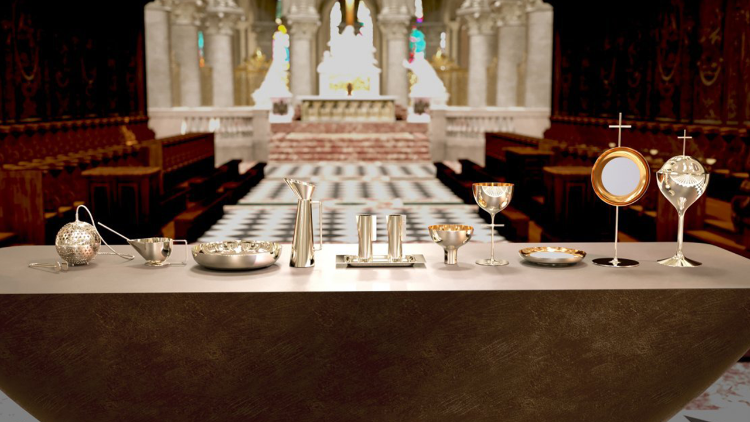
x=114, y=252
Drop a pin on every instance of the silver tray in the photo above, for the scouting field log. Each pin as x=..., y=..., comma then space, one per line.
x=343, y=261
x=552, y=255
x=236, y=254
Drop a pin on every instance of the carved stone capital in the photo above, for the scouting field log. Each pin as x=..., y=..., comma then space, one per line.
x=165, y=5
x=511, y=13
x=478, y=16
x=394, y=26
x=222, y=17
x=537, y=6
x=302, y=8
x=303, y=26
x=187, y=12
x=264, y=28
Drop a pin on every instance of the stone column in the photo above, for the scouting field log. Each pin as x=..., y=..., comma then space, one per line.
x=477, y=15
x=394, y=26
x=511, y=49
x=538, y=90
x=221, y=20
x=264, y=31
x=302, y=30
x=158, y=66
x=432, y=31
x=186, y=16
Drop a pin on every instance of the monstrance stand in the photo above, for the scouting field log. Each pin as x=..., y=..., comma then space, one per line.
x=609, y=190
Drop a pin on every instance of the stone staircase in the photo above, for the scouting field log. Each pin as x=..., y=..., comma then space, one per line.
x=304, y=141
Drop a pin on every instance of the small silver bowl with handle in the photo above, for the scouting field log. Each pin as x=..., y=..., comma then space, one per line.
x=157, y=250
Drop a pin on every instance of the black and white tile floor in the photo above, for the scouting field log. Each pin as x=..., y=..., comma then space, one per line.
x=346, y=190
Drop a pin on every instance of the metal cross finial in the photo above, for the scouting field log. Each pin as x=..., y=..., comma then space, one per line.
x=684, y=138
x=619, y=126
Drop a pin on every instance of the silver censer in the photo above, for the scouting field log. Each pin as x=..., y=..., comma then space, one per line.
x=303, y=247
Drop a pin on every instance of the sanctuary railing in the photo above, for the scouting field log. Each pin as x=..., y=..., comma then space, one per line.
x=458, y=132
x=240, y=132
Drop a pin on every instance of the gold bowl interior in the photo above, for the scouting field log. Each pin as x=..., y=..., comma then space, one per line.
x=450, y=227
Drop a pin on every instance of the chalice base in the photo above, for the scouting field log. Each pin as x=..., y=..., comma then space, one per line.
x=157, y=264
x=492, y=263
x=679, y=261
x=616, y=263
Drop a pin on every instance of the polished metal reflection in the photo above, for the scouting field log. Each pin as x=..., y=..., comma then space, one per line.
x=367, y=233
x=78, y=242
x=54, y=267
x=303, y=248
x=552, y=255
x=493, y=198
x=237, y=254
x=396, y=226
x=623, y=167
x=682, y=180
x=451, y=237
x=157, y=250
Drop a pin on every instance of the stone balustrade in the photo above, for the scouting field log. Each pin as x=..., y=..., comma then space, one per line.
x=458, y=132
x=241, y=132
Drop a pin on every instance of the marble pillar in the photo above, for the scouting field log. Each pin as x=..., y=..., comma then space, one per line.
x=394, y=31
x=185, y=20
x=158, y=66
x=538, y=86
x=511, y=51
x=264, y=31
x=220, y=24
x=432, y=31
x=476, y=14
x=302, y=30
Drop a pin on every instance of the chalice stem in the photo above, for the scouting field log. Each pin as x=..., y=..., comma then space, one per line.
x=680, y=230
x=492, y=237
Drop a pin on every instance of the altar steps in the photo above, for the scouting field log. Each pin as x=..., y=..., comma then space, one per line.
x=311, y=147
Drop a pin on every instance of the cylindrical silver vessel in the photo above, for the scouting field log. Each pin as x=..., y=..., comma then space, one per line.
x=366, y=230
x=396, y=225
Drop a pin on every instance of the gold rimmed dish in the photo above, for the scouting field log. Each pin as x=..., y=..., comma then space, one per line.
x=237, y=254
x=552, y=255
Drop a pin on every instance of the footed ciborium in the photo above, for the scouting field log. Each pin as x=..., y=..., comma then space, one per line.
x=682, y=180
x=493, y=198
x=451, y=237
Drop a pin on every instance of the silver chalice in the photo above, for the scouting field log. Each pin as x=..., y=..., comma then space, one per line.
x=451, y=237
x=493, y=198
x=682, y=180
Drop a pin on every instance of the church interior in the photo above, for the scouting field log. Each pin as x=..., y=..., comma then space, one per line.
x=284, y=135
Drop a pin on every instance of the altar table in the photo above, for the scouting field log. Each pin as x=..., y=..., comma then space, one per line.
x=317, y=108
x=119, y=341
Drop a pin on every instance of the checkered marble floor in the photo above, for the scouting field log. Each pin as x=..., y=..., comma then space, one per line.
x=348, y=189
x=353, y=191
x=276, y=223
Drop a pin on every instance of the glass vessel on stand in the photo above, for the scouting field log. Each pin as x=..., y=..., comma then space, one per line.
x=493, y=198
x=682, y=180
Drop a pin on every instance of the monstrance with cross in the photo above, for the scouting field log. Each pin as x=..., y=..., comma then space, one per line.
x=682, y=180
x=620, y=177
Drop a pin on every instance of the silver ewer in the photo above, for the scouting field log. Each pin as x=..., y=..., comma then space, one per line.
x=303, y=246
